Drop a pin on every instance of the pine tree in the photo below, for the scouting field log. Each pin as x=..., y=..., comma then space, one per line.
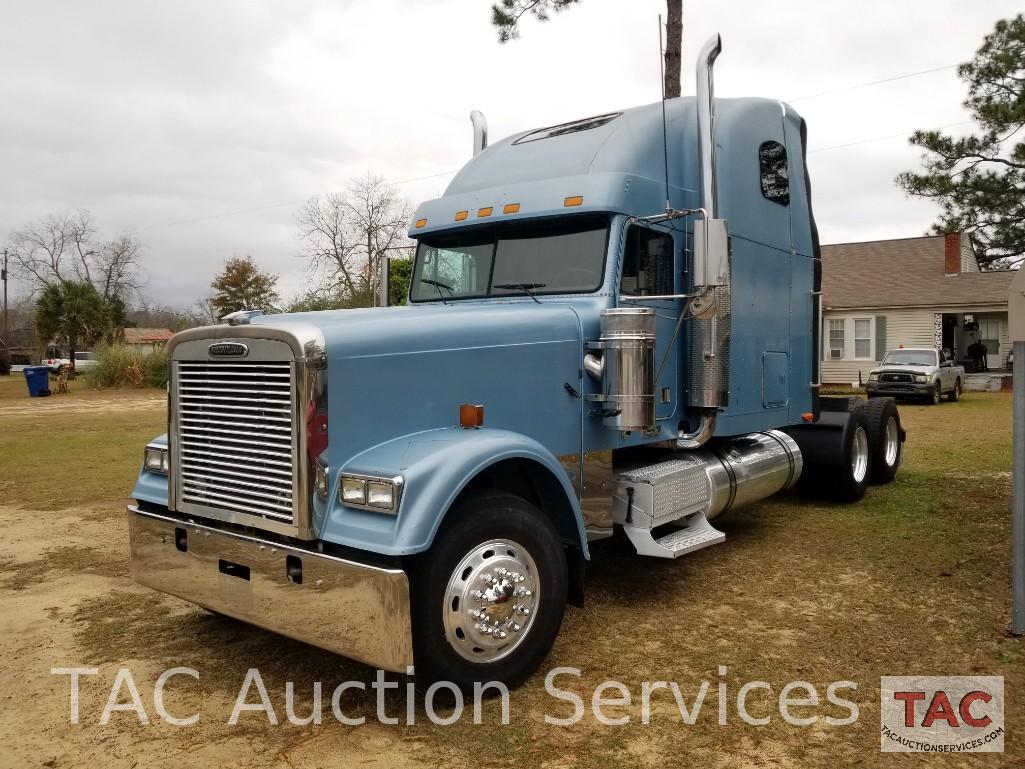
x=979, y=180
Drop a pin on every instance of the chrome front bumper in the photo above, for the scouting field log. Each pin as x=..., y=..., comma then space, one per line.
x=350, y=608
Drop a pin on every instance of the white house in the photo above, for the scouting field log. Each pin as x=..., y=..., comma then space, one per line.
x=912, y=292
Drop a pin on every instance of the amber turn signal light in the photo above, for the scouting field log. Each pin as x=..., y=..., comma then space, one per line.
x=573, y=200
x=471, y=415
x=808, y=416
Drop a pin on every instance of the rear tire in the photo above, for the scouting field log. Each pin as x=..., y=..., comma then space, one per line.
x=848, y=481
x=885, y=439
x=955, y=395
x=487, y=542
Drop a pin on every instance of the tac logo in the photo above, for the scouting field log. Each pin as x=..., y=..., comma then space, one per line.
x=942, y=714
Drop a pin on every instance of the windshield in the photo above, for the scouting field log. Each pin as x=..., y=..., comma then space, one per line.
x=910, y=358
x=565, y=256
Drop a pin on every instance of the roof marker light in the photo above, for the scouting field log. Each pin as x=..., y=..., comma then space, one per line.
x=461, y=215
x=486, y=211
x=471, y=415
x=421, y=223
x=573, y=200
x=511, y=208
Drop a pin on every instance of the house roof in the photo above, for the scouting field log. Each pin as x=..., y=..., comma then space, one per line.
x=908, y=272
x=146, y=335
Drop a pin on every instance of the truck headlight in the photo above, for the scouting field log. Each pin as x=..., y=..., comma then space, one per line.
x=354, y=490
x=371, y=493
x=381, y=494
x=921, y=378
x=154, y=458
x=873, y=377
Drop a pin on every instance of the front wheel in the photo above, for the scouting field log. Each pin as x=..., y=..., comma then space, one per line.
x=937, y=395
x=489, y=596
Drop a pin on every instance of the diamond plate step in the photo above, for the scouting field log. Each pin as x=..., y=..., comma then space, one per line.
x=696, y=534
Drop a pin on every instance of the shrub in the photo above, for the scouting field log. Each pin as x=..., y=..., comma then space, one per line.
x=121, y=365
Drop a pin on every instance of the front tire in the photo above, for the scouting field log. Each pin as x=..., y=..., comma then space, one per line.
x=488, y=597
x=937, y=395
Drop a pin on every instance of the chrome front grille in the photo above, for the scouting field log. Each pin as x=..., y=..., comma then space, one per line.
x=236, y=437
x=896, y=377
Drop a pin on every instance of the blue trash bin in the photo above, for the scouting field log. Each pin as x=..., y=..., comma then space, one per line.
x=38, y=380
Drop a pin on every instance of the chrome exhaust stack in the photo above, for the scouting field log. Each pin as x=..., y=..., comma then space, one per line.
x=708, y=371
x=480, y=131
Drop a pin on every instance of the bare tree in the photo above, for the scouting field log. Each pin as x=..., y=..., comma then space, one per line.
x=115, y=267
x=62, y=247
x=345, y=235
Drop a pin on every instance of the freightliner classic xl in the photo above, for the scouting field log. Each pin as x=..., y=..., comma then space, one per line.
x=612, y=323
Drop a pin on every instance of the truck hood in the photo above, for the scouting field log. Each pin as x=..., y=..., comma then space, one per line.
x=393, y=372
x=435, y=326
x=899, y=369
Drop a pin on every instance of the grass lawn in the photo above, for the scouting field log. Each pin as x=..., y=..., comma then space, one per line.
x=913, y=580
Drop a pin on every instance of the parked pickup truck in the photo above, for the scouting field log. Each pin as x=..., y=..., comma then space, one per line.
x=916, y=372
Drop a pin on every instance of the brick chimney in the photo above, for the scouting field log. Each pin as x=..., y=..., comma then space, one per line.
x=952, y=253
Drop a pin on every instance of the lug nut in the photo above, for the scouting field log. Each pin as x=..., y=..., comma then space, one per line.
x=523, y=610
x=522, y=592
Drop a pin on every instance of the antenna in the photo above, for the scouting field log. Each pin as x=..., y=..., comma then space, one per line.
x=665, y=142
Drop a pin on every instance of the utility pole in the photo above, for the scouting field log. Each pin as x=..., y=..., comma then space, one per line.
x=3, y=274
x=1016, y=330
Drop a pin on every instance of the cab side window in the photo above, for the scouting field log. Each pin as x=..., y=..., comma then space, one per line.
x=772, y=162
x=647, y=263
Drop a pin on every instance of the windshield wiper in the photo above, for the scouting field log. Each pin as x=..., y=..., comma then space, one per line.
x=526, y=288
x=438, y=285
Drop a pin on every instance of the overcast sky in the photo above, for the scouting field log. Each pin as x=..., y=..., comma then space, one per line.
x=201, y=126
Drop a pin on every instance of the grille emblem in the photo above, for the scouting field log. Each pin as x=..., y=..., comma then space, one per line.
x=228, y=350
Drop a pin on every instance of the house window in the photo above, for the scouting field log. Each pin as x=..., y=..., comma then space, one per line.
x=863, y=338
x=772, y=162
x=836, y=339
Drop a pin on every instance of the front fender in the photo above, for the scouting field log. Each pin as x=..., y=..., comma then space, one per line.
x=436, y=466
x=149, y=486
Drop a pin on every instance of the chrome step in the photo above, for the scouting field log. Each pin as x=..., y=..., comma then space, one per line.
x=695, y=532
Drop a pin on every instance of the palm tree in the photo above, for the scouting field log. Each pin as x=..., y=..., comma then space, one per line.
x=71, y=313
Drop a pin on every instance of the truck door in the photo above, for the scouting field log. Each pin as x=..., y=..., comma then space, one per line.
x=648, y=271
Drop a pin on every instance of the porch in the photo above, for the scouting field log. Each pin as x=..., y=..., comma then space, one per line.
x=960, y=332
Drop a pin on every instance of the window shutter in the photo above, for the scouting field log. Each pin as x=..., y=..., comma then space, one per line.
x=880, y=336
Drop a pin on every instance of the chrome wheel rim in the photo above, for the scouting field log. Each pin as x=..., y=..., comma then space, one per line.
x=491, y=601
x=859, y=456
x=892, y=441
x=937, y=395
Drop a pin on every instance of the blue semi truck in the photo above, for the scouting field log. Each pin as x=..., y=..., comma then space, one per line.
x=613, y=324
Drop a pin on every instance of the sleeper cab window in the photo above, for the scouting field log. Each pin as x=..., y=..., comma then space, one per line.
x=647, y=263
x=772, y=164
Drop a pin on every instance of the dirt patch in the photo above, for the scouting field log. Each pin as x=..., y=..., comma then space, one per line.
x=914, y=579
